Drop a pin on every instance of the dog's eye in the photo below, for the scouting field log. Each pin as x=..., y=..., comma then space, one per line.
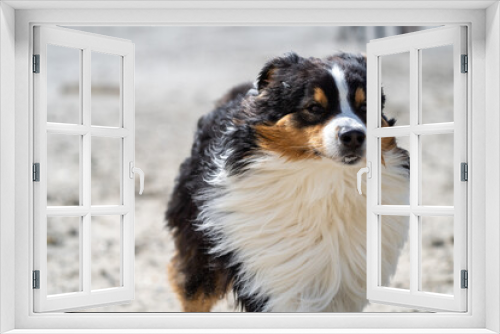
x=315, y=109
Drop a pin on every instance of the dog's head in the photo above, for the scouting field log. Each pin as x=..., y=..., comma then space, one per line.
x=312, y=108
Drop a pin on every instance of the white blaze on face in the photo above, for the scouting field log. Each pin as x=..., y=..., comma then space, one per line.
x=346, y=119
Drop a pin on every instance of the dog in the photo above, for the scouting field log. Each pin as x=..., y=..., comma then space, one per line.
x=266, y=205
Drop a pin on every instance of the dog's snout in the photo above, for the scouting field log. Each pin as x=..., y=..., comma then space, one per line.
x=351, y=138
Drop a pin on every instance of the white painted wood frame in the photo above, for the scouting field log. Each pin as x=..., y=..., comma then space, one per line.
x=483, y=20
x=413, y=44
x=86, y=43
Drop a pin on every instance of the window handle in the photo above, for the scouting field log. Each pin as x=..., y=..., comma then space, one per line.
x=368, y=171
x=132, y=171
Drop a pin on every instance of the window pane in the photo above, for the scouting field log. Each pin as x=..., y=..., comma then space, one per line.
x=394, y=164
x=106, y=171
x=106, y=252
x=63, y=169
x=437, y=169
x=63, y=84
x=437, y=254
x=395, y=252
x=395, y=79
x=63, y=255
x=437, y=84
x=106, y=77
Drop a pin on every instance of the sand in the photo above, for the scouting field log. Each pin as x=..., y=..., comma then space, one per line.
x=180, y=72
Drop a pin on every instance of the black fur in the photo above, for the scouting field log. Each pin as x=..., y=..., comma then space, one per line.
x=284, y=87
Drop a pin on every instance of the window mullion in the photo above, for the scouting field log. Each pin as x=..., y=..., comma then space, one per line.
x=67, y=129
x=418, y=118
x=80, y=211
x=421, y=129
x=414, y=168
x=85, y=241
x=81, y=130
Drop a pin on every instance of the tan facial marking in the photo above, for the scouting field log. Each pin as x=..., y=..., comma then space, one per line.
x=320, y=97
x=289, y=141
x=359, y=97
x=388, y=143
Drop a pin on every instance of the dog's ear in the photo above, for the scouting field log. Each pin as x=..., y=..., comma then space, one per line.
x=385, y=120
x=269, y=70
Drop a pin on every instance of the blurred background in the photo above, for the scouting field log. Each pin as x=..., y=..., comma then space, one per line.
x=179, y=73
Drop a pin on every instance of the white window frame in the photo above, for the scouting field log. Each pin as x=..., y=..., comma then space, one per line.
x=413, y=44
x=86, y=44
x=483, y=21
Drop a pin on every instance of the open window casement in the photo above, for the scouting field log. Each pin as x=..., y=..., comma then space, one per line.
x=71, y=137
x=420, y=134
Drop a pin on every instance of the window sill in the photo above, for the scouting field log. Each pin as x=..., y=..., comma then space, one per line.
x=248, y=331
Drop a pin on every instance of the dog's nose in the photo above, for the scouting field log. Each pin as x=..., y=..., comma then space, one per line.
x=351, y=139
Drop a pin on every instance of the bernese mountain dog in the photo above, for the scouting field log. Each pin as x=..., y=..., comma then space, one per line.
x=266, y=205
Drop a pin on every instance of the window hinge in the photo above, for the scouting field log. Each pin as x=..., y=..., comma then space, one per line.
x=465, y=64
x=36, y=63
x=36, y=172
x=464, y=279
x=464, y=171
x=36, y=279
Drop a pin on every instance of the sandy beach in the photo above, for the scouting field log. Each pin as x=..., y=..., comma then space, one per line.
x=180, y=73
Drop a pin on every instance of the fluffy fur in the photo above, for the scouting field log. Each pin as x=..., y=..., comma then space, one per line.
x=267, y=203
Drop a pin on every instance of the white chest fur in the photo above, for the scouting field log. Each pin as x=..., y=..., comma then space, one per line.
x=299, y=230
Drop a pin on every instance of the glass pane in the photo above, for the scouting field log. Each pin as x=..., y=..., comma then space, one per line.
x=63, y=84
x=394, y=164
x=436, y=254
x=437, y=84
x=106, y=171
x=106, y=252
x=437, y=169
x=63, y=255
x=395, y=79
x=63, y=169
x=106, y=78
x=395, y=252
